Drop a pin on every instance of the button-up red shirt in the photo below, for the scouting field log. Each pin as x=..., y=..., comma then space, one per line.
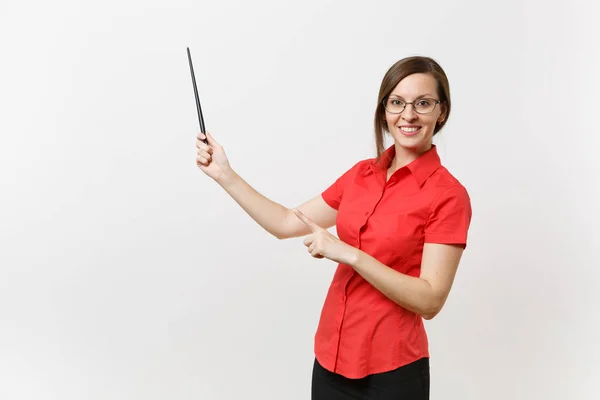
x=361, y=331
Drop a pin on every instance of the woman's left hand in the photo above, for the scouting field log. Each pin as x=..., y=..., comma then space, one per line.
x=322, y=244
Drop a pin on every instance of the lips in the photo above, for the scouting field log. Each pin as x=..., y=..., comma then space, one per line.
x=410, y=130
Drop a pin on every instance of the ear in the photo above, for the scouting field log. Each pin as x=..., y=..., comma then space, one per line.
x=442, y=116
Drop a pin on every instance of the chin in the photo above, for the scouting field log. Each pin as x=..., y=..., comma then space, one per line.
x=412, y=143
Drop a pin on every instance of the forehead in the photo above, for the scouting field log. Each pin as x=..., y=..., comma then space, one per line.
x=416, y=85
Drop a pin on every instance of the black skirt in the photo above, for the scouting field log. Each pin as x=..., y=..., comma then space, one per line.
x=409, y=382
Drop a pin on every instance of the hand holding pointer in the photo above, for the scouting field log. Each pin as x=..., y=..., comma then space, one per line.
x=211, y=158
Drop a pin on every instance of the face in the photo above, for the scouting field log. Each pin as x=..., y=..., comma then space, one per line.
x=411, y=130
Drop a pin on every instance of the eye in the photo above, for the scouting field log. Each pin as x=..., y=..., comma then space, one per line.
x=396, y=102
x=424, y=103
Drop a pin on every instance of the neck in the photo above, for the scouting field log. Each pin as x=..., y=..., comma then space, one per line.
x=405, y=156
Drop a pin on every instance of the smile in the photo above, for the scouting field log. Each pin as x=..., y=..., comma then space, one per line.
x=410, y=130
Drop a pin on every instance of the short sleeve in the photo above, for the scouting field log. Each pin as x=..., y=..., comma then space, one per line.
x=333, y=194
x=450, y=217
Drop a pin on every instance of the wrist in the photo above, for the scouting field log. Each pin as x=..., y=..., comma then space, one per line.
x=353, y=256
x=227, y=178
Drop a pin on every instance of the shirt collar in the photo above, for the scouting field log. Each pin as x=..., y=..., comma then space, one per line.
x=421, y=168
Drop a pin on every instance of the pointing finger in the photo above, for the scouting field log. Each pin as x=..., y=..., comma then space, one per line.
x=309, y=222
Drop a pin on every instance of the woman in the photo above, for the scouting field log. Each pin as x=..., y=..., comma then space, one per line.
x=402, y=221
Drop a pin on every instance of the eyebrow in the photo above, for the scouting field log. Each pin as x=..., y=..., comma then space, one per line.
x=418, y=97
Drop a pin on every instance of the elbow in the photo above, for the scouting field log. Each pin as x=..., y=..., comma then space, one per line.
x=432, y=310
x=288, y=234
x=429, y=315
x=284, y=235
x=285, y=230
x=280, y=235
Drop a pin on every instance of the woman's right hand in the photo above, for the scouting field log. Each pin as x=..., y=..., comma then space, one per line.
x=211, y=158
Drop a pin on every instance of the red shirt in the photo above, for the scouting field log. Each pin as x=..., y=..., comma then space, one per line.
x=361, y=331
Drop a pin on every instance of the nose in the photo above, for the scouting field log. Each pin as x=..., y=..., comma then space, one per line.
x=409, y=113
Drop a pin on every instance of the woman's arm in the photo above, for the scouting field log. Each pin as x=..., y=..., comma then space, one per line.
x=424, y=295
x=275, y=218
x=271, y=216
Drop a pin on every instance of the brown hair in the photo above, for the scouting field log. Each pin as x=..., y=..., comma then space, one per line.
x=397, y=72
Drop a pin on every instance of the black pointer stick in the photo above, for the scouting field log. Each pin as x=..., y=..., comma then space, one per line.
x=200, y=118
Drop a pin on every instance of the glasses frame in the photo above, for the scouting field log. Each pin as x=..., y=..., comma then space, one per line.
x=412, y=102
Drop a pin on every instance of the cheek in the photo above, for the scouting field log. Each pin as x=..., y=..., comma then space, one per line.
x=430, y=124
x=390, y=120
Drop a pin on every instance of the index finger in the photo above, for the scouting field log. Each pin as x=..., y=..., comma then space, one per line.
x=309, y=222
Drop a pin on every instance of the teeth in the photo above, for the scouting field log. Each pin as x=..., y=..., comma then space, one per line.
x=405, y=129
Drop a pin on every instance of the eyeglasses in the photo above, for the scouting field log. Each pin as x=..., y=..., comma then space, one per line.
x=421, y=106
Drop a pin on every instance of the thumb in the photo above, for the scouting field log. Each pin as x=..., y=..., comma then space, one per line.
x=309, y=222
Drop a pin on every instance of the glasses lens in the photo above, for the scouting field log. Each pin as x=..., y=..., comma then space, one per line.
x=395, y=106
x=424, y=106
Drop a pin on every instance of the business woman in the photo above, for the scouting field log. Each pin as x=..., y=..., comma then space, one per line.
x=402, y=220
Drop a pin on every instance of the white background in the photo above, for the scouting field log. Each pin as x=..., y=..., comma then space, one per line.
x=126, y=273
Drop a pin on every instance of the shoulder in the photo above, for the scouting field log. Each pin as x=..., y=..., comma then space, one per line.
x=443, y=186
x=364, y=164
x=346, y=179
x=443, y=180
x=450, y=209
x=358, y=168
